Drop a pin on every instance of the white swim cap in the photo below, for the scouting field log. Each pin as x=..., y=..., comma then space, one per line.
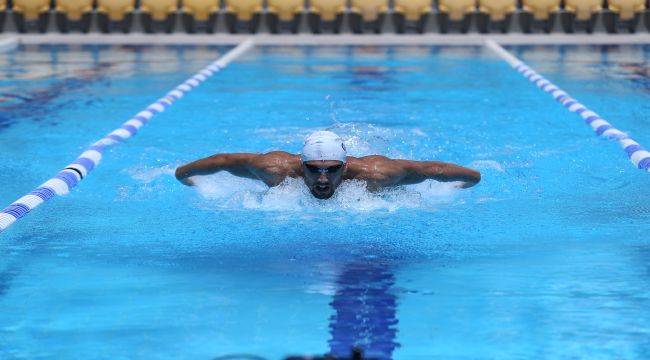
x=323, y=145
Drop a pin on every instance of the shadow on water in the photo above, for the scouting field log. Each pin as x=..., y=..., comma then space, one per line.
x=15, y=259
x=365, y=311
x=7, y=277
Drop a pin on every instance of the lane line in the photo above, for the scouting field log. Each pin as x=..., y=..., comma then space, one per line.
x=639, y=156
x=71, y=175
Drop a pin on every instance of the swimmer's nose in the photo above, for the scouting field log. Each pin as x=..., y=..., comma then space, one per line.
x=322, y=179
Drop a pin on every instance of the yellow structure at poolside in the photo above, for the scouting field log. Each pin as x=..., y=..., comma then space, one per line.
x=286, y=10
x=159, y=9
x=412, y=9
x=116, y=9
x=74, y=9
x=200, y=10
x=541, y=9
x=31, y=9
x=497, y=10
x=369, y=9
x=334, y=16
x=583, y=9
x=457, y=9
x=244, y=9
x=626, y=9
x=327, y=9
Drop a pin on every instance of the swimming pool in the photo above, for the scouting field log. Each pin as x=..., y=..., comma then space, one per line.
x=547, y=257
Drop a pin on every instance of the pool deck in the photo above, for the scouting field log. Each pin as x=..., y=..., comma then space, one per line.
x=309, y=39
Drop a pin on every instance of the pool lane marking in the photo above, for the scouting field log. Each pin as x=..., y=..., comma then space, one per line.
x=8, y=44
x=71, y=175
x=639, y=156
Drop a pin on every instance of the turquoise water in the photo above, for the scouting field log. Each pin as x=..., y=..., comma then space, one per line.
x=547, y=257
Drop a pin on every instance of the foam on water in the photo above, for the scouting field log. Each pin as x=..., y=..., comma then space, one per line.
x=486, y=165
x=149, y=174
x=223, y=190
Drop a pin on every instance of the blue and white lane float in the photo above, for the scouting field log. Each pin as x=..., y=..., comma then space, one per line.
x=72, y=174
x=635, y=152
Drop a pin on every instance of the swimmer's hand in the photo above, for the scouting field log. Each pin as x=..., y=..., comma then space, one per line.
x=465, y=185
x=186, y=181
x=183, y=175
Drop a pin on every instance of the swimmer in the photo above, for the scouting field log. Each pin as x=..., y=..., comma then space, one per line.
x=324, y=164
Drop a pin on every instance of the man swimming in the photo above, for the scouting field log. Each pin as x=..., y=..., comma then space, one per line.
x=324, y=164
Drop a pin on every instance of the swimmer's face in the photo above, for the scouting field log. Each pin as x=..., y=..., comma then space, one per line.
x=323, y=177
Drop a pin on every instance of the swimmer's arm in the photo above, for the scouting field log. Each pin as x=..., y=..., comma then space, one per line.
x=418, y=171
x=236, y=164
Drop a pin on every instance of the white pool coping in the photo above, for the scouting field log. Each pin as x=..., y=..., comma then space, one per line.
x=343, y=39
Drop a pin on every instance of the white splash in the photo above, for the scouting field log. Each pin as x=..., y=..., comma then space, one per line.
x=223, y=190
x=486, y=165
x=149, y=174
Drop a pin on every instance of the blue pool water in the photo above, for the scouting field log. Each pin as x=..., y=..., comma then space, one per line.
x=548, y=257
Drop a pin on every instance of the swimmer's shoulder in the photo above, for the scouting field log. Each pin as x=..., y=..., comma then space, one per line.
x=277, y=162
x=372, y=168
x=370, y=162
x=277, y=156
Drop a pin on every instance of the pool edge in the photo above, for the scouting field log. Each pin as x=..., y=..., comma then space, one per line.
x=345, y=39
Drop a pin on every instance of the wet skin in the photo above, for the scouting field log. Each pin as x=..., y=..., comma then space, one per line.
x=323, y=177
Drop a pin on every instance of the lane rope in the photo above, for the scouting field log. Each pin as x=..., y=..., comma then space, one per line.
x=639, y=156
x=71, y=175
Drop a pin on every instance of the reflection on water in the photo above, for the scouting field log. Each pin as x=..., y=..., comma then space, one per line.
x=628, y=63
x=589, y=62
x=637, y=73
x=40, y=76
x=364, y=311
x=371, y=78
x=35, y=79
